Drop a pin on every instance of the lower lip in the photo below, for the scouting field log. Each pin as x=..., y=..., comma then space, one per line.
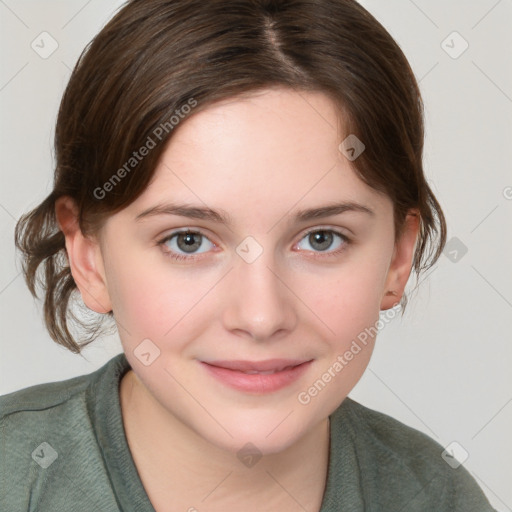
x=257, y=383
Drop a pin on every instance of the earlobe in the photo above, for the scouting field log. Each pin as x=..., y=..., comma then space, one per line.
x=84, y=256
x=401, y=263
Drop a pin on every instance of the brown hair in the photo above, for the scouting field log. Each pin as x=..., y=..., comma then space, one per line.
x=157, y=56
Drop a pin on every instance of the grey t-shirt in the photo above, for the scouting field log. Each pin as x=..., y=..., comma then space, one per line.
x=63, y=449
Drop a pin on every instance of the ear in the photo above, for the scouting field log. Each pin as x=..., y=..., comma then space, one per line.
x=84, y=256
x=401, y=263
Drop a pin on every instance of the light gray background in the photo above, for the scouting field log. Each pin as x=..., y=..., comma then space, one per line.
x=445, y=367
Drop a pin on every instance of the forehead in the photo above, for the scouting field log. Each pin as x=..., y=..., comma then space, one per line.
x=258, y=155
x=277, y=122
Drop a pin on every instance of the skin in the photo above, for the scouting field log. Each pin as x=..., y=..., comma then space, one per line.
x=259, y=159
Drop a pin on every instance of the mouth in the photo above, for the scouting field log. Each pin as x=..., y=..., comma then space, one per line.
x=257, y=376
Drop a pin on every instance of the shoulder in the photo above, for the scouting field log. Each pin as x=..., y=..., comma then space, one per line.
x=399, y=462
x=41, y=397
x=38, y=411
x=54, y=395
x=48, y=401
x=48, y=438
x=395, y=440
x=52, y=410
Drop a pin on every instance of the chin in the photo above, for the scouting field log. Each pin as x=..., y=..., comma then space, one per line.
x=266, y=436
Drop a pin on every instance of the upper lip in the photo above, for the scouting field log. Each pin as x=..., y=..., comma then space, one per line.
x=258, y=366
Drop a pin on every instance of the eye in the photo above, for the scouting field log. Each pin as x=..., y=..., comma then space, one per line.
x=186, y=241
x=322, y=239
x=183, y=245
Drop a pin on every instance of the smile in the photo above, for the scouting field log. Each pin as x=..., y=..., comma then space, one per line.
x=256, y=377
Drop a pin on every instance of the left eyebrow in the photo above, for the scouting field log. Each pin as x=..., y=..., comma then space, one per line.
x=330, y=210
x=222, y=217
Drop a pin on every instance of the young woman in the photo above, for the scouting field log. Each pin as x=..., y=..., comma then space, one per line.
x=239, y=187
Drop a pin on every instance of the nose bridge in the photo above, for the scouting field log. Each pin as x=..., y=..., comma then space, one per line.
x=260, y=303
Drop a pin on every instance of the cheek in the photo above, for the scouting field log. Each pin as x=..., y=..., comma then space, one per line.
x=349, y=306
x=156, y=302
x=348, y=300
x=141, y=297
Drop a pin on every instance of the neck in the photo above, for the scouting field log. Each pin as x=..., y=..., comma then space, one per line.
x=183, y=471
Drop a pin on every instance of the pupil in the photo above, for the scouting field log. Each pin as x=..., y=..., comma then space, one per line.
x=324, y=238
x=189, y=244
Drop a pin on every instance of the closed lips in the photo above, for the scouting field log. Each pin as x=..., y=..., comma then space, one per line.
x=257, y=367
x=252, y=372
x=258, y=377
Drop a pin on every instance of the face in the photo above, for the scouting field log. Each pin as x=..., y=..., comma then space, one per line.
x=265, y=283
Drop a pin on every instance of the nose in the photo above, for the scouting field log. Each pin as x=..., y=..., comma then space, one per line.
x=261, y=305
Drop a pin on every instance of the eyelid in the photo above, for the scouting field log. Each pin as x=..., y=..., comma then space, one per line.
x=201, y=231
x=195, y=230
x=337, y=231
x=334, y=229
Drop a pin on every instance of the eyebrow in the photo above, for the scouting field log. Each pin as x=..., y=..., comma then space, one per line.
x=222, y=217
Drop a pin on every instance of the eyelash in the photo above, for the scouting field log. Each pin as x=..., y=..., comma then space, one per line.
x=176, y=256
